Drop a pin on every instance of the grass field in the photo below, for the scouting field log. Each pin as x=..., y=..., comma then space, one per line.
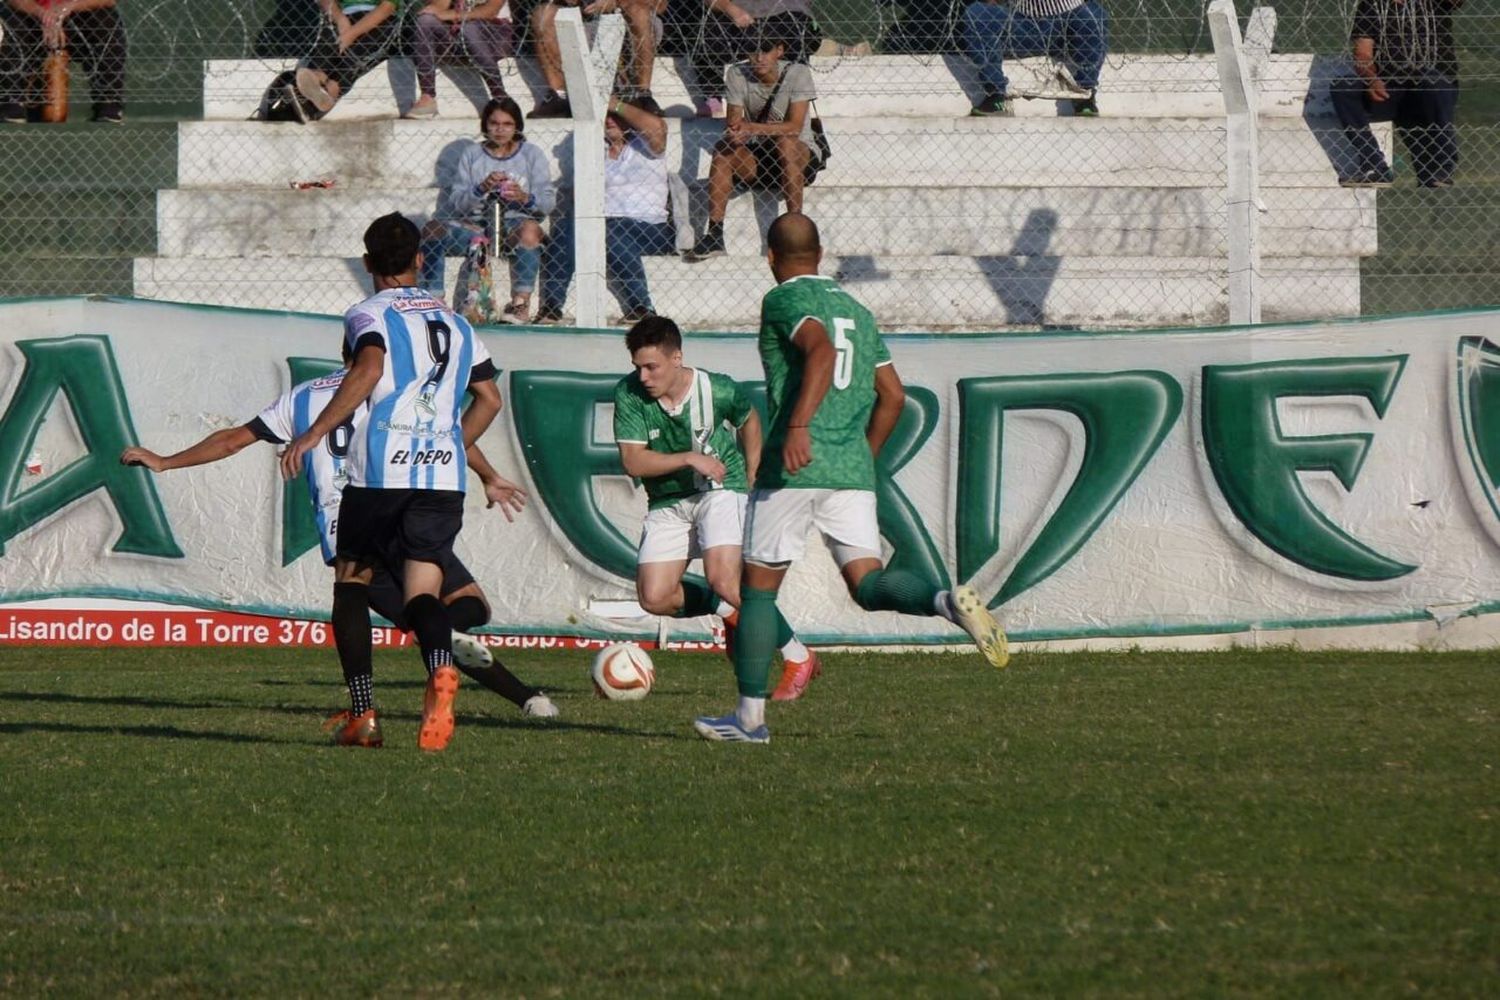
x=1153, y=825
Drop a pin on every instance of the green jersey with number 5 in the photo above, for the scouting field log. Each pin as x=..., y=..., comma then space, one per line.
x=841, y=456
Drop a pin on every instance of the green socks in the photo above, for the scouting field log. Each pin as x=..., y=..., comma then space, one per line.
x=756, y=641
x=896, y=590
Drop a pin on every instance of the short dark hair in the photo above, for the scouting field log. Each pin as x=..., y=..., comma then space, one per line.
x=391, y=243
x=507, y=104
x=654, y=331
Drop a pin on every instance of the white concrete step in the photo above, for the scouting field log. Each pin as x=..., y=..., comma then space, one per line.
x=880, y=221
x=919, y=153
x=906, y=293
x=1140, y=86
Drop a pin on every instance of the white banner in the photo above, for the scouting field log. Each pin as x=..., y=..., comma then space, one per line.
x=1176, y=483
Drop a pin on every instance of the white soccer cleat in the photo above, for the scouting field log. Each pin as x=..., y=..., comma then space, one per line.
x=539, y=706
x=974, y=618
x=470, y=652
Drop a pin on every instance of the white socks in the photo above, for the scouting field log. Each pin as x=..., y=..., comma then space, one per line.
x=943, y=606
x=751, y=713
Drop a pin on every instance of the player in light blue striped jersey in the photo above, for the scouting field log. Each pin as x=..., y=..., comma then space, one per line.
x=292, y=413
x=413, y=362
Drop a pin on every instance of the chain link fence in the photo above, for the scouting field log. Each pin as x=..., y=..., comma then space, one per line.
x=1044, y=216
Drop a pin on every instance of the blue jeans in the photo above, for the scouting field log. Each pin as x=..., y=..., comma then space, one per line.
x=1423, y=111
x=1078, y=39
x=626, y=241
x=454, y=242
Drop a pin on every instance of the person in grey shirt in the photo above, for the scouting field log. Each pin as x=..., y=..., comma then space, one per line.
x=723, y=28
x=768, y=137
x=507, y=168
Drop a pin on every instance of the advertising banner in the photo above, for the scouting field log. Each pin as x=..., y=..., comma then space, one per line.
x=1091, y=485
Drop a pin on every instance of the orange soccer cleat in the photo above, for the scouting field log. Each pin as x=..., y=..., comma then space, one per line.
x=796, y=677
x=437, y=709
x=361, y=730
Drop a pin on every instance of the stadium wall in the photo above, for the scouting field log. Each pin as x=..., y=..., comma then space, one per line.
x=1324, y=483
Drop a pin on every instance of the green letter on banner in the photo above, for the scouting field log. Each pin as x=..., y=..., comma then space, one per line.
x=299, y=530
x=554, y=418
x=1256, y=466
x=1125, y=417
x=83, y=368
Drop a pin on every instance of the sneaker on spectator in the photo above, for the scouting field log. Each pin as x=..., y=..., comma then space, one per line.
x=513, y=313
x=110, y=114
x=553, y=105
x=12, y=114
x=311, y=85
x=548, y=315
x=1444, y=183
x=1086, y=107
x=426, y=107
x=635, y=314
x=710, y=244
x=993, y=106
x=1373, y=177
x=711, y=107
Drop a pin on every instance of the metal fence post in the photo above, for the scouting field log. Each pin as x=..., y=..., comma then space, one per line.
x=1242, y=195
x=590, y=75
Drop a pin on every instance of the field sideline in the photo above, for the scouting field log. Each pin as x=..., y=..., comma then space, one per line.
x=1133, y=824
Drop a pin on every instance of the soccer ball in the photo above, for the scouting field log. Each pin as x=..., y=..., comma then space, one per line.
x=623, y=672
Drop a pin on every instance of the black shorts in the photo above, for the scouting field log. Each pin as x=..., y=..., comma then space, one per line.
x=768, y=169
x=388, y=600
x=391, y=526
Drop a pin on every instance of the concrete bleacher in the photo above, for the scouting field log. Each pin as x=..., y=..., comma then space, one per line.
x=935, y=219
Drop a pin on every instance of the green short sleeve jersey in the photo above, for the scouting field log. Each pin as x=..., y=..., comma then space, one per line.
x=708, y=421
x=841, y=455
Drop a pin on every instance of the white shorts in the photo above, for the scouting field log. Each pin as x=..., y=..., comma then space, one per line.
x=777, y=523
x=688, y=527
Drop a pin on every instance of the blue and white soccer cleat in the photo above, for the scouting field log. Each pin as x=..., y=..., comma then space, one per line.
x=975, y=619
x=727, y=729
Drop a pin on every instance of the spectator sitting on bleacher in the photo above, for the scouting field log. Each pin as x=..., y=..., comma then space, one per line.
x=1406, y=71
x=636, y=191
x=90, y=31
x=354, y=37
x=644, y=23
x=768, y=137
x=505, y=168
x=1074, y=32
x=723, y=30
x=478, y=31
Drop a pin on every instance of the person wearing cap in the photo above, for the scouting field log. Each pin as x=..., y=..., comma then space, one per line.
x=721, y=33
x=768, y=139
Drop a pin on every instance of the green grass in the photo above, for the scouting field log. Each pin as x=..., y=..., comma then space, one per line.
x=1153, y=825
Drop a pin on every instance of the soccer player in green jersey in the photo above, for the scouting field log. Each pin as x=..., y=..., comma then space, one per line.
x=834, y=397
x=693, y=440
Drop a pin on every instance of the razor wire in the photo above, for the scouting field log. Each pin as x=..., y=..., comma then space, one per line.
x=1035, y=219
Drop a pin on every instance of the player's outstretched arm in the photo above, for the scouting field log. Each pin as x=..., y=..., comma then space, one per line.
x=751, y=440
x=819, y=356
x=218, y=445
x=355, y=389
x=497, y=489
x=890, y=397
